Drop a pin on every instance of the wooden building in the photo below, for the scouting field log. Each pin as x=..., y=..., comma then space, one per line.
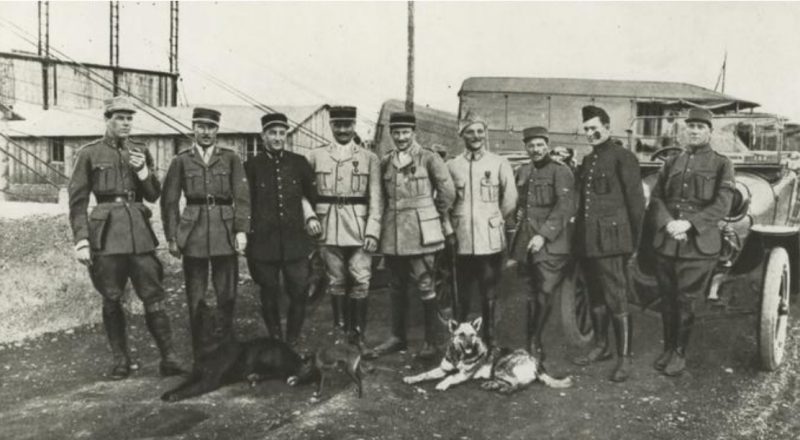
x=44, y=144
x=434, y=127
x=511, y=104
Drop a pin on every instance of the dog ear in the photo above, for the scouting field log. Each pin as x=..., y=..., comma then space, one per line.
x=476, y=323
x=452, y=325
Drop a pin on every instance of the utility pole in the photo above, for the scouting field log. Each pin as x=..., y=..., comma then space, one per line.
x=410, y=67
x=173, y=49
x=113, y=48
x=44, y=49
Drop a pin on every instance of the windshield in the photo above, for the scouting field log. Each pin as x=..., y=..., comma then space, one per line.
x=743, y=138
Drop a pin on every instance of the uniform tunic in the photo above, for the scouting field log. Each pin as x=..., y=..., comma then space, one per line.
x=118, y=229
x=485, y=195
x=611, y=208
x=206, y=230
x=696, y=185
x=417, y=198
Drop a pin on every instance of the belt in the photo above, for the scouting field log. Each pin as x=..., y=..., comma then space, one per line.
x=345, y=200
x=209, y=200
x=116, y=198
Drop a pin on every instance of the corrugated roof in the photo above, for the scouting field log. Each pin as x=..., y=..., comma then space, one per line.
x=598, y=87
x=68, y=122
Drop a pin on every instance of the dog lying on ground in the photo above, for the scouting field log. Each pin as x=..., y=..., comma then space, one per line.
x=226, y=361
x=467, y=358
x=344, y=357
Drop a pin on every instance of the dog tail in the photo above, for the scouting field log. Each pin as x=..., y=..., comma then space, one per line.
x=553, y=382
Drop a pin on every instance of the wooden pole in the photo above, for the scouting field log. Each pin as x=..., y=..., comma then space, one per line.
x=410, y=67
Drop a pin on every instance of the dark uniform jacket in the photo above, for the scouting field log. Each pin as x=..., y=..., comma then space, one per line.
x=417, y=198
x=696, y=186
x=102, y=168
x=278, y=183
x=611, y=202
x=206, y=230
x=546, y=205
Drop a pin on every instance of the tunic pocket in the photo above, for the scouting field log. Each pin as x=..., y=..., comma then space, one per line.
x=359, y=181
x=227, y=220
x=324, y=180
x=543, y=193
x=194, y=182
x=614, y=235
x=421, y=185
x=489, y=191
x=146, y=215
x=222, y=177
x=186, y=225
x=705, y=186
x=496, y=233
x=104, y=177
x=98, y=225
x=430, y=226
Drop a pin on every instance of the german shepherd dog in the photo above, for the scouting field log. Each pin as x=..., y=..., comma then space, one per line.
x=226, y=361
x=467, y=358
x=345, y=357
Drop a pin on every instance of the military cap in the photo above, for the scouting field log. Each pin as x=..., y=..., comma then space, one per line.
x=535, y=132
x=402, y=119
x=469, y=119
x=591, y=111
x=342, y=113
x=119, y=104
x=700, y=115
x=274, y=119
x=209, y=115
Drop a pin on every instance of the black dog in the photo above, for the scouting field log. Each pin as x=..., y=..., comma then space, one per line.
x=223, y=362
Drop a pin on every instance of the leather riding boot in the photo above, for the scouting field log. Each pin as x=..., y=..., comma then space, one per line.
x=623, y=331
x=429, y=349
x=271, y=312
x=340, y=321
x=489, y=308
x=677, y=364
x=397, y=341
x=115, y=327
x=537, y=317
x=668, y=329
x=600, y=351
x=295, y=319
x=158, y=325
x=359, y=317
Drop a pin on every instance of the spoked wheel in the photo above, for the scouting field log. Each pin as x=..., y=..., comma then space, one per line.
x=774, y=310
x=576, y=316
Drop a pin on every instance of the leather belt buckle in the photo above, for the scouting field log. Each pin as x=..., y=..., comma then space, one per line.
x=131, y=195
x=210, y=200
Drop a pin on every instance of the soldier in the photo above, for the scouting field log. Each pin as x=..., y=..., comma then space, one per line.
x=279, y=242
x=418, y=191
x=212, y=228
x=543, y=239
x=485, y=195
x=116, y=241
x=693, y=193
x=611, y=207
x=348, y=205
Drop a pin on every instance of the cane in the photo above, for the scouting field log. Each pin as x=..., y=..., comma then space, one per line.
x=453, y=279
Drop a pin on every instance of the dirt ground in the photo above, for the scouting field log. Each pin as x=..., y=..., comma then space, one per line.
x=54, y=387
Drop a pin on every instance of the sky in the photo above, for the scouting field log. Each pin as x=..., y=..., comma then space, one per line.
x=300, y=53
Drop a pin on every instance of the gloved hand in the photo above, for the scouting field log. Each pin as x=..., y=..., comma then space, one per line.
x=241, y=242
x=82, y=253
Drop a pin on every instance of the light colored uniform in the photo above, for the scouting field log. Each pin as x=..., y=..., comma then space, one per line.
x=349, y=206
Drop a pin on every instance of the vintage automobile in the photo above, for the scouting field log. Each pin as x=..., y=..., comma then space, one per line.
x=758, y=269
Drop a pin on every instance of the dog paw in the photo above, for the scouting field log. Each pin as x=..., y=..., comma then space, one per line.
x=442, y=387
x=410, y=380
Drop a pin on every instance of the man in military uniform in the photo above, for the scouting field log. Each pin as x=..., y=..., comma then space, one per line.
x=485, y=195
x=212, y=228
x=611, y=208
x=116, y=241
x=418, y=191
x=693, y=193
x=349, y=204
x=543, y=238
x=279, y=242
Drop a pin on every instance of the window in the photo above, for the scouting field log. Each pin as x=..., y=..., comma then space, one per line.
x=57, y=150
x=254, y=144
